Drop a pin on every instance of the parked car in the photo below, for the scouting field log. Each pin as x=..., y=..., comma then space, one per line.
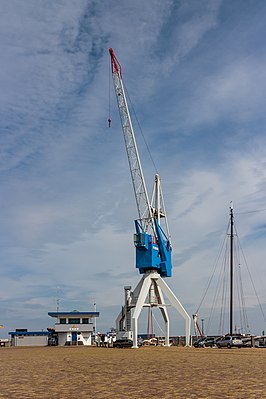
x=230, y=341
x=205, y=342
x=196, y=343
x=123, y=343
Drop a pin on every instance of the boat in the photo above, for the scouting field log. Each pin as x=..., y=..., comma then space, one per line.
x=228, y=312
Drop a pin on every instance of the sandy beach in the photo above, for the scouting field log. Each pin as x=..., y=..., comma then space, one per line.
x=158, y=372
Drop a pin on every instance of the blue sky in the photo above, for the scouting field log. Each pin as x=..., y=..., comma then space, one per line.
x=196, y=75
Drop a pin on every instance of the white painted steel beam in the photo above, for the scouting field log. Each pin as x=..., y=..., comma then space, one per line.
x=153, y=279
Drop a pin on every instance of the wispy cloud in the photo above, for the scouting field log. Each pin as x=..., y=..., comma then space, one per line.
x=195, y=75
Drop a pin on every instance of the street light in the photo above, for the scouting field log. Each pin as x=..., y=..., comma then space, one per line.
x=202, y=326
x=95, y=331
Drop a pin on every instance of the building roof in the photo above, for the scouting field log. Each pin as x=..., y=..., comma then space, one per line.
x=30, y=333
x=74, y=313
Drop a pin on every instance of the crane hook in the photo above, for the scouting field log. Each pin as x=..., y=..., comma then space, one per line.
x=109, y=122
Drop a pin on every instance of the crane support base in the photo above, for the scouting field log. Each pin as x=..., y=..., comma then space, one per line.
x=151, y=291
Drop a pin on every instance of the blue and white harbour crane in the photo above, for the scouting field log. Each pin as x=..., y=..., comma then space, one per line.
x=152, y=242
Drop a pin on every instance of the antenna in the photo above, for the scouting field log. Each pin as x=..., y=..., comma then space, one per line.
x=57, y=299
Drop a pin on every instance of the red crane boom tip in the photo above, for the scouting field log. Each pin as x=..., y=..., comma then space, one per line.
x=116, y=67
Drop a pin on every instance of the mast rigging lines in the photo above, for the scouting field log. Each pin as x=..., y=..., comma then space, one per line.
x=229, y=293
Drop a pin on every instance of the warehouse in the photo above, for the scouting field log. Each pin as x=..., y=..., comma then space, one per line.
x=23, y=337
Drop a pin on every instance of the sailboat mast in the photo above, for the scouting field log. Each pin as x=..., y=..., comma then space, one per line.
x=231, y=266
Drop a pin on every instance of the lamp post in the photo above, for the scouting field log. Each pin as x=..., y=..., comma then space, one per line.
x=95, y=332
x=202, y=326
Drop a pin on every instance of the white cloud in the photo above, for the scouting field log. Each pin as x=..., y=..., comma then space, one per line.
x=66, y=197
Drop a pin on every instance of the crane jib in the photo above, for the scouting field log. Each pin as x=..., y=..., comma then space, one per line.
x=151, y=254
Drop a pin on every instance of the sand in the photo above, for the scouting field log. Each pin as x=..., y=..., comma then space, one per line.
x=149, y=372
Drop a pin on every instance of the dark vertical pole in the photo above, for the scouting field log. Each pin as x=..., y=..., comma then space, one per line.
x=231, y=267
x=202, y=326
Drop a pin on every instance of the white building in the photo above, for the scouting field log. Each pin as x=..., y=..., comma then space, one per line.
x=74, y=328
x=23, y=337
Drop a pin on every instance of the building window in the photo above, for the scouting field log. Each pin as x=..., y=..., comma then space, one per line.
x=73, y=321
x=62, y=321
x=85, y=321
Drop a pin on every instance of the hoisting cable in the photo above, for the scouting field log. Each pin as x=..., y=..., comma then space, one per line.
x=158, y=325
x=143, y=137
x=109, y=99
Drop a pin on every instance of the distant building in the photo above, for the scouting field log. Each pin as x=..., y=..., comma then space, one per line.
x=74, y=328
x=23, y=337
